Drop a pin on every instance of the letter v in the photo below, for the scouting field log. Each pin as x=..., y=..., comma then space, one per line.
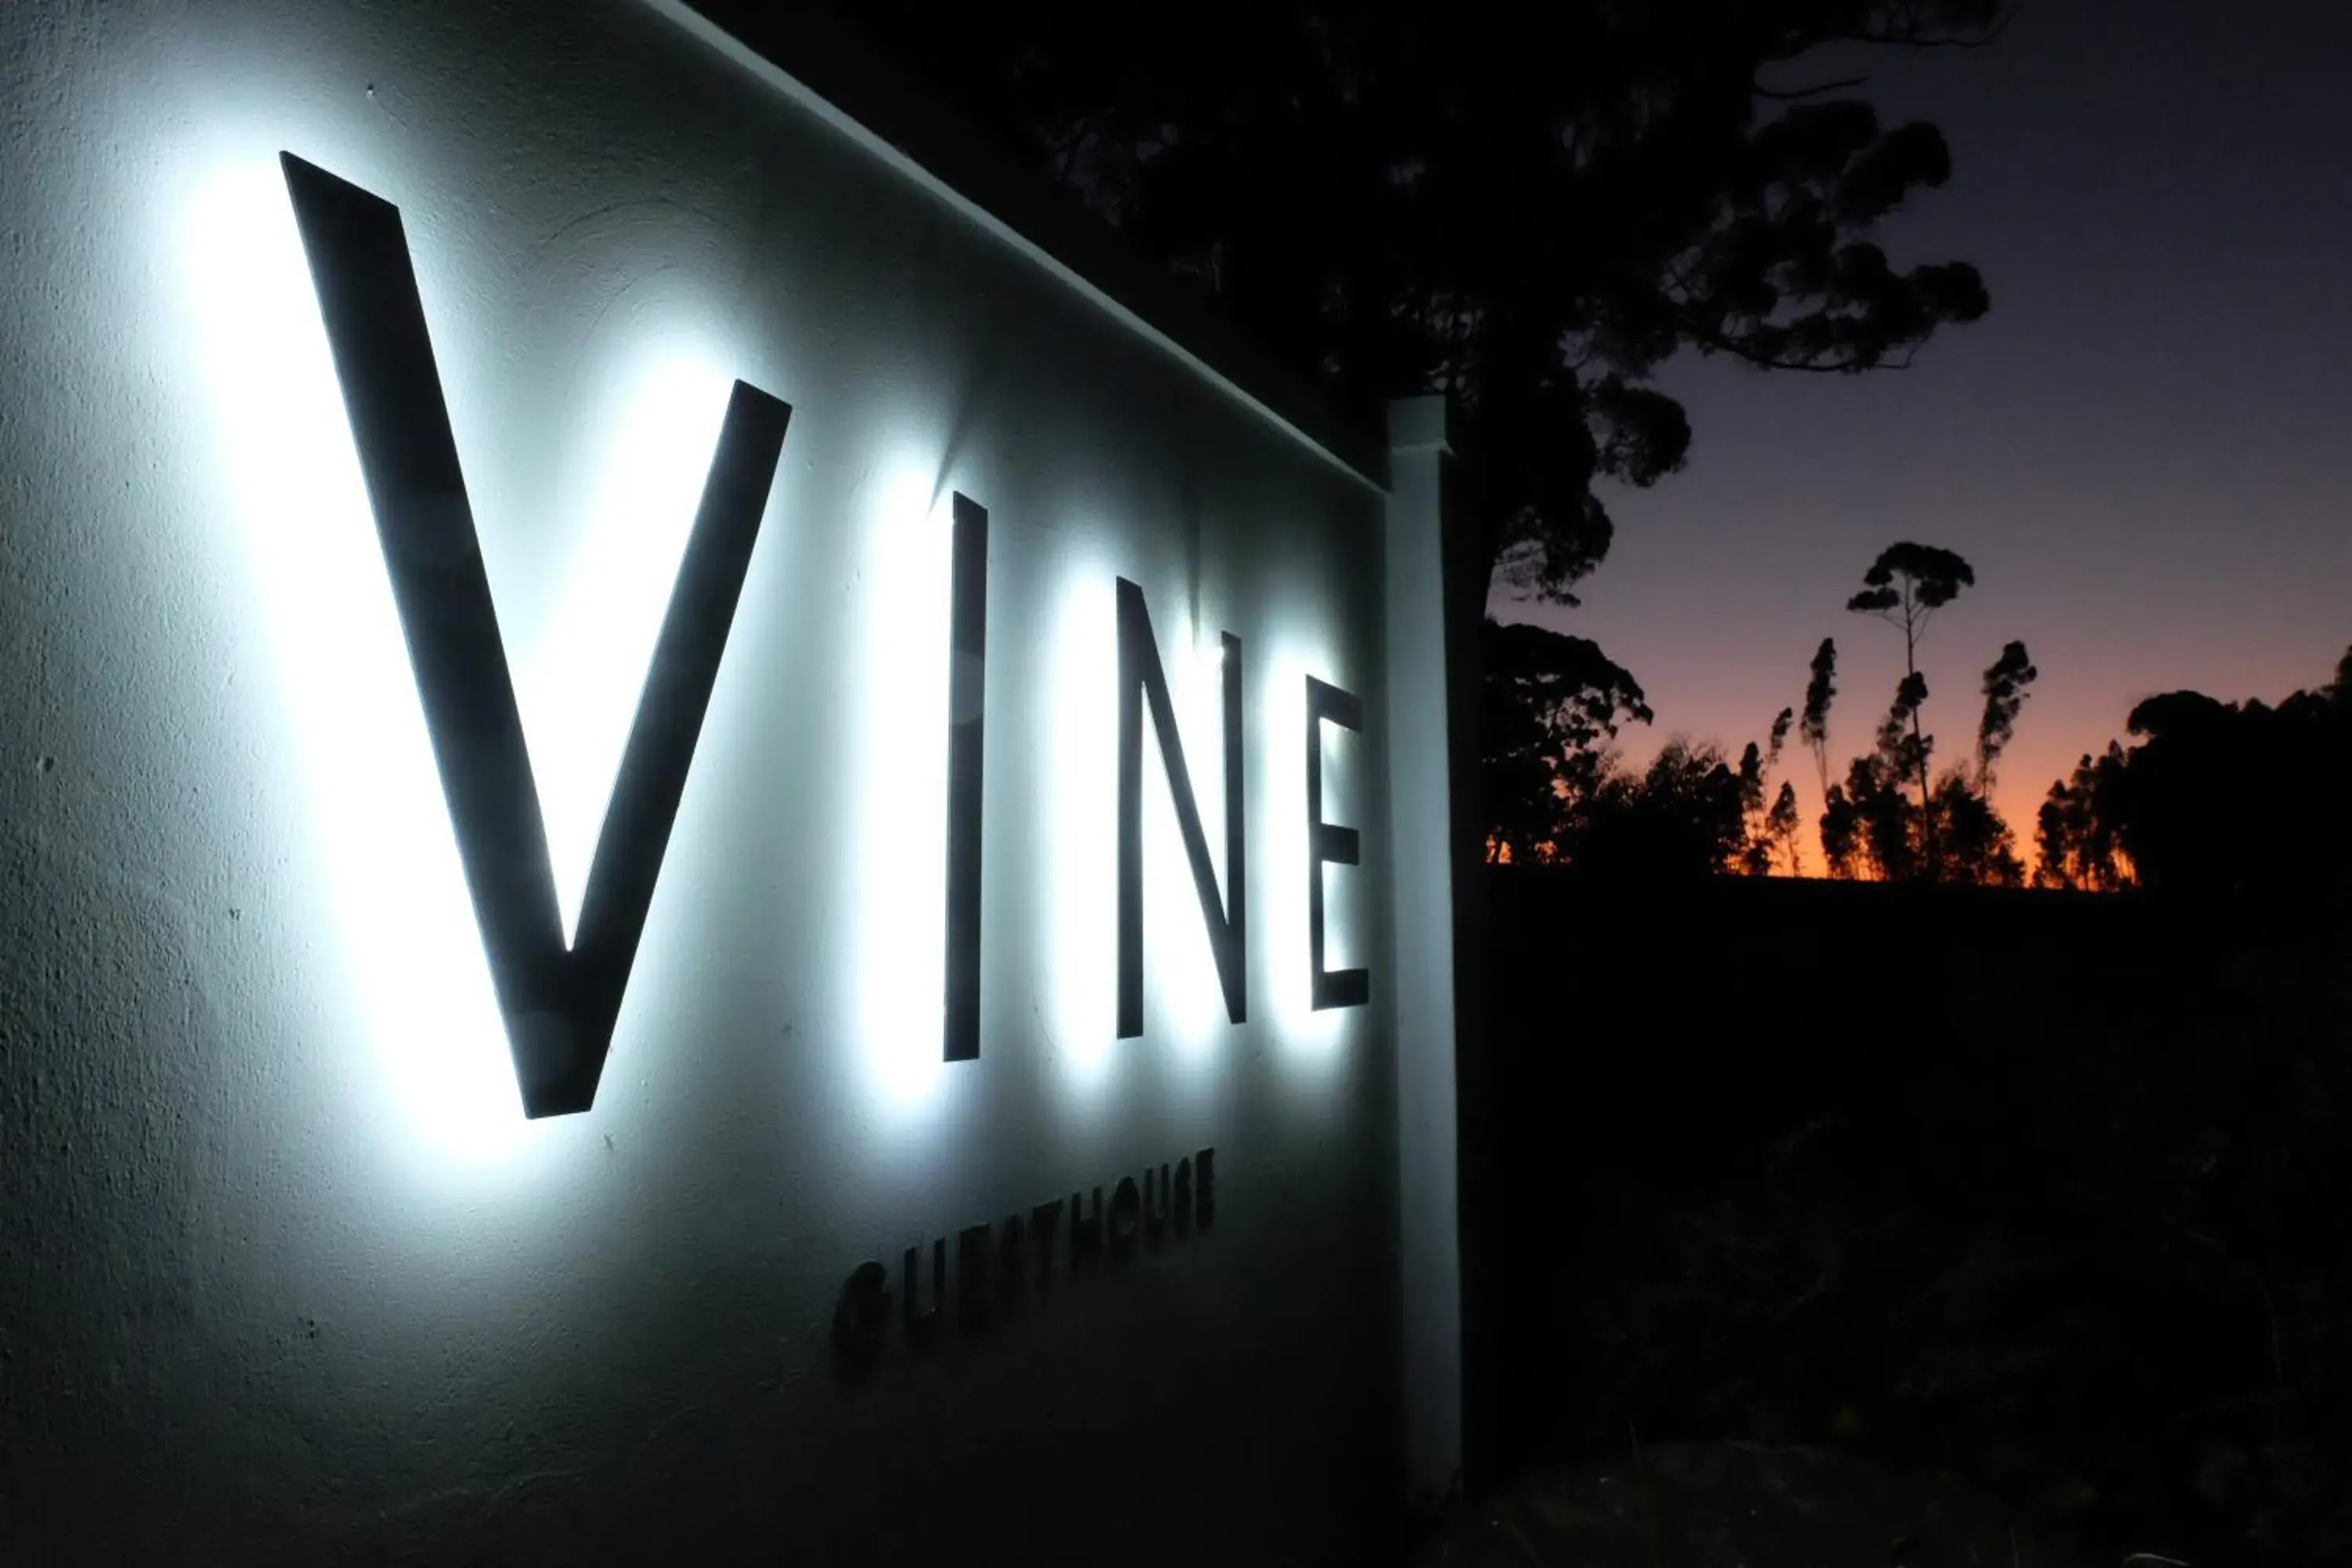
x=560, y=1004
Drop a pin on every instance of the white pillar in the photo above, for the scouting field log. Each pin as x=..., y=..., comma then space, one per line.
x=1420, y=810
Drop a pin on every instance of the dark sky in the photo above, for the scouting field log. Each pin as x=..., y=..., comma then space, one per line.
x=2145, y=450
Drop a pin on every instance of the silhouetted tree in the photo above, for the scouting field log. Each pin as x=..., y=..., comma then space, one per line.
x=1755, y=855
x=1887, y=824
x=1952, y=831
x=1973, y=842
x=2075, y=842
x=1964, y=834
x=1683, y=816
x=2005, y=692
x=1901, y=746
x=1877, y=825
x=1871, y=825
x=1841, y=830
x=1781, y=828
x=2237, y=803
x=1819, y=690
x=1551, y=701
x=1755, y=777
x=1905, y=587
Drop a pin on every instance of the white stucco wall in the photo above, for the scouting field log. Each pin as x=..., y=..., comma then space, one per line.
x=285, y=1276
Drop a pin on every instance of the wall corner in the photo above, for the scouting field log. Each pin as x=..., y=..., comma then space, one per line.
x=1421, y=834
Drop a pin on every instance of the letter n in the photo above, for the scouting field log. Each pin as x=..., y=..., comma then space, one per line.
x=1142, y=683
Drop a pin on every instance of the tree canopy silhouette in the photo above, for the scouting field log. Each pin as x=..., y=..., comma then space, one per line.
x=1529, y=207
x=2240, y=803
x=1551, y=701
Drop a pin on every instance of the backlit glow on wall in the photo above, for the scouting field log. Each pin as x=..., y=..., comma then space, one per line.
x=1183, y=1002
x=617, y=513
x=1184, y=1016
x=898, y=664
x=1076, y=761
x=403, y=928
x=1303, y=1032
x=561, y=999
x=578, y=680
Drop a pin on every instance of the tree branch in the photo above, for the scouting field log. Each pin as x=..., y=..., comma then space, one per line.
x=1912, y=35
x=1709, y=338
x=1946, y=41
x=1792, y=95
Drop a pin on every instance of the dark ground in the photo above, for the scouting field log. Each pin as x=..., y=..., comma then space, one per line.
x=2040, y=1192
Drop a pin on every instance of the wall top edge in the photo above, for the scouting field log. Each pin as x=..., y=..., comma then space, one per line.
x=814, y=59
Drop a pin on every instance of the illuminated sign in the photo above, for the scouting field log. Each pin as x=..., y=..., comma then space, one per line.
x=559, y=1000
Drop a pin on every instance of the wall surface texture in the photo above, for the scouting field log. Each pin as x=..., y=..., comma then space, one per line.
x=284, y=1274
